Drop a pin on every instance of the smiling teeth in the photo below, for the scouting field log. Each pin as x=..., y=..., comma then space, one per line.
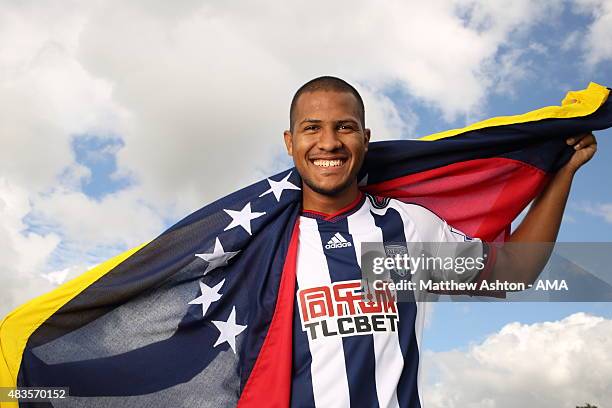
x=328, y=163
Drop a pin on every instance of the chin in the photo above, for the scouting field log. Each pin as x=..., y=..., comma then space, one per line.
x=329, y=190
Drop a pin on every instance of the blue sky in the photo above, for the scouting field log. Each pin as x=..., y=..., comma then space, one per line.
x=98, y=155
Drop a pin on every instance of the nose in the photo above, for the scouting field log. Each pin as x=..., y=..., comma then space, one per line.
x=329, y=140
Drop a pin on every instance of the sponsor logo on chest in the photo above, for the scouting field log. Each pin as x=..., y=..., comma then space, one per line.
x=346, y=309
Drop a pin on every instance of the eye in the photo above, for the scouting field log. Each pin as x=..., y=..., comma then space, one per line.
x=310, y=127
x=345, y=127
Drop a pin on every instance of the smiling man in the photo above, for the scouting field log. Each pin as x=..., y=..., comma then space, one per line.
x=352, y=353
x=328, y=141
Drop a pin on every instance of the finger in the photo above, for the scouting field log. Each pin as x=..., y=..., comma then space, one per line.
x=575, y=139
x=586, y=141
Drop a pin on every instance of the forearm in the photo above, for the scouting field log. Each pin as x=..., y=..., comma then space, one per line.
x=531, y=244
x=542, y=222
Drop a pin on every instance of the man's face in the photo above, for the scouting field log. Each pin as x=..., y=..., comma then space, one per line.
x=328, y=142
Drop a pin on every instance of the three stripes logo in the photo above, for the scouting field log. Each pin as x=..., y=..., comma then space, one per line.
x=337, y=241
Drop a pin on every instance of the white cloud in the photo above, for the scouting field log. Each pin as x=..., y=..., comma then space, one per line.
x=603, y=210
x=23, y=252
x=509, y=70
x=57, y=277
x=198, y=94
x=117, y=219
x=45, y=94
x=571, y=40
x=198, y=104
x=597, y=42
x=552, y=364
x=538, y=48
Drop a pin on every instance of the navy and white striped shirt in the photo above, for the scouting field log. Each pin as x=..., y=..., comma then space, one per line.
x=348, y=352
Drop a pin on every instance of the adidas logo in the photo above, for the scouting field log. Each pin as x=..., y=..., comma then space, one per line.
x=337, y=241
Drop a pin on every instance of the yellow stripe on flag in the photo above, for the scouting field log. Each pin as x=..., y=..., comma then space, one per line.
x=17, y=327
x=576, y=104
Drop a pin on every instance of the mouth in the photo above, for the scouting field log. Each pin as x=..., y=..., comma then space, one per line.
x=327, y=163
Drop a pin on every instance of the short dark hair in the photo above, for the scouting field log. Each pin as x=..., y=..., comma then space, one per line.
x=326, y=83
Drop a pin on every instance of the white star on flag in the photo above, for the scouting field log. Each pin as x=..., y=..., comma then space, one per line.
x=228, y=330
x=242, y=218
x=277, y=187
x=217, y=258
x=209, y=295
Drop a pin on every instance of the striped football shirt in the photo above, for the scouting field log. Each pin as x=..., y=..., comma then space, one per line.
x=348, y=352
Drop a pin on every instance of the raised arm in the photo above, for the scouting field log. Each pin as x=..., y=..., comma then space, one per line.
x=523, y=263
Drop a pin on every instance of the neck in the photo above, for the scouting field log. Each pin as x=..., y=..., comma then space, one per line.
x=313, y=201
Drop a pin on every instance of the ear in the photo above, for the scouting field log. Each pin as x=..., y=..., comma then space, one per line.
x=288, y=142
x=366, y=134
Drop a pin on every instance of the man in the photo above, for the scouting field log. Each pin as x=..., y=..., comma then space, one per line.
x=342, y=357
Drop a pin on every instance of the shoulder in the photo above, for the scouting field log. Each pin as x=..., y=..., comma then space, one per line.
x=427, y=225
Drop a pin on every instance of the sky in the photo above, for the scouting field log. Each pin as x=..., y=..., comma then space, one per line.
x=118, y=119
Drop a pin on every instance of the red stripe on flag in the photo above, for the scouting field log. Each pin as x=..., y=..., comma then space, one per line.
x=269, y=384
x=480, y=197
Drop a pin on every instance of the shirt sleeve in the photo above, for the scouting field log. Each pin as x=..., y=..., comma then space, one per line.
x=455, y=244
x=461, y=258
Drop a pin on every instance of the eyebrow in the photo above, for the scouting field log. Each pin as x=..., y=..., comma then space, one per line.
x=309, y=120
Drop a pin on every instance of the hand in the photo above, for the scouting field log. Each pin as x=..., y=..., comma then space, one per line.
x=585, y=146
